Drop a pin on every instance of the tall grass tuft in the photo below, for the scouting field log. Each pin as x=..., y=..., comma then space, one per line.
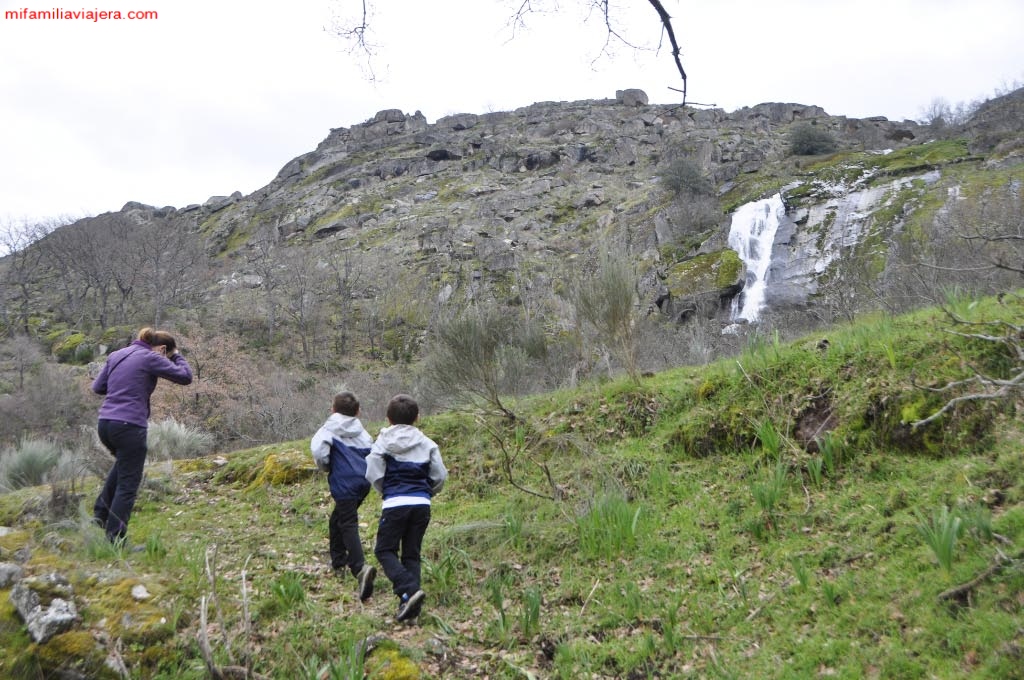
x=530, y=618
x=170, y=440
x=287, y=593
x=815, y=465
x=351, y=665
x=514, y=529
x=445, y=575
x=802, y=573
x=770, y=438
x=977, y=521
x=769, y=489
x=95, y=542
x=832, y=452
x=496, y=584
x=609, y=528
x=27, y=464
x=940, y=533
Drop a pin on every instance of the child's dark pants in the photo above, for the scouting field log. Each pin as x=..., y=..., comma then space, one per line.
x=399, y=539
x=343, y=530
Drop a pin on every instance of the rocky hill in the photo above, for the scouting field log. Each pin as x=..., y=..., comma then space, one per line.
x=467, y=199
x=776, y=218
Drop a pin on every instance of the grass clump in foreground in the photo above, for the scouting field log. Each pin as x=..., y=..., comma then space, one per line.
x=770, y=516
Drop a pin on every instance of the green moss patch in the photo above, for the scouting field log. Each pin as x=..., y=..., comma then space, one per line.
x=709, y=272
x=283, y=468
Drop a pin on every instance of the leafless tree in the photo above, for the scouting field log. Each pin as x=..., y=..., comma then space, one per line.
x=304, y=283
x=51, y=402
x=23, y=354
x=991, y=224
x=20, y=270
x=983, y=385
x=345, y=274
x=262, y=258
x=91, y=267
x=171, y=261
x=940, y=114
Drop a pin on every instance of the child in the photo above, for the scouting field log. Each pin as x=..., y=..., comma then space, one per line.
x=340, y=448
x=406, y=468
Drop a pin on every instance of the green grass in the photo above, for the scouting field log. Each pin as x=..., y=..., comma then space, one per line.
x=706, y=527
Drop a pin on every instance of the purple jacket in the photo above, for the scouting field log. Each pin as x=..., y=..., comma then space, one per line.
x=129, y=378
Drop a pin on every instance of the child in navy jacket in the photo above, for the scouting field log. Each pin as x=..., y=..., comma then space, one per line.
x=406, y=468
x=340, y=448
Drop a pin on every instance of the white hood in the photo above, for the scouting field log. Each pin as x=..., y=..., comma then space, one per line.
x=348, y=429
x=399, y=439
x=344, y=427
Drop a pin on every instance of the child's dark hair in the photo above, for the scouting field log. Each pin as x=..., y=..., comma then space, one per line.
x=403, y=410
x=346, y=404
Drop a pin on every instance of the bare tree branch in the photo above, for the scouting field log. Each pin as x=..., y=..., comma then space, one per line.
x=994, y=388
x=666, y=23
x=355, y=31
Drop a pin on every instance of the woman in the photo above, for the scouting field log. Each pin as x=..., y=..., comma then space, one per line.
x=126, y=382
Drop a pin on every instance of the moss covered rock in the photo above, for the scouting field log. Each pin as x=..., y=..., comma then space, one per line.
x=283, y=468
x=707, y=281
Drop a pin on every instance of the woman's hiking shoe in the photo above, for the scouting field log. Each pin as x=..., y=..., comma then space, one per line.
x=366, y=576
x=410, y=606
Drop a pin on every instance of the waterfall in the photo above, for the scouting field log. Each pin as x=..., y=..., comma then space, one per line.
x=751, y=235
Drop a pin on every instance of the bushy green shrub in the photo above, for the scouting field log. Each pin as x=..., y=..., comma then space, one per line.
x=27, y=464
x=809, y=140
x=169, y=439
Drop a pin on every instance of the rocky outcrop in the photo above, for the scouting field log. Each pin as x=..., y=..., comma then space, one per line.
x=996, y=126
x=46, y=605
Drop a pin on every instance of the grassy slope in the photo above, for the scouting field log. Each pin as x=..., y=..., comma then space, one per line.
x=663, y=557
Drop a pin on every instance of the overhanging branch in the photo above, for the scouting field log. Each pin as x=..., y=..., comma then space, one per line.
x=666, y=23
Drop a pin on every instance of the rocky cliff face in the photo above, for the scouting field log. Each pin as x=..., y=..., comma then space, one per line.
x=470, y=197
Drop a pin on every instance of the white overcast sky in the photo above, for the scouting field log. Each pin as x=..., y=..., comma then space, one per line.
x=216, y=96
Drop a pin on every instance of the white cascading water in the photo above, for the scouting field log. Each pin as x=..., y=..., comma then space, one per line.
x=751, y=235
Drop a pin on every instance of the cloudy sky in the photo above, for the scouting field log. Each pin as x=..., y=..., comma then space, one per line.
x=214, y=96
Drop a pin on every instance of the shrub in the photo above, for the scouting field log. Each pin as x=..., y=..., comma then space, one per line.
x=605, y=299
x=28, y=464
x=808, y=140
x=684, y=176
x=481, y=354
x=169, y=439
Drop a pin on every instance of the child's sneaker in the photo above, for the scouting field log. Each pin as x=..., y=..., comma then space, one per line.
x=366, y=576
x=410, y=606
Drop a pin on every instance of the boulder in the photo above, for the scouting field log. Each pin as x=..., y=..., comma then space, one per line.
x=9, y=574
x=631, y=97
x=45, y=604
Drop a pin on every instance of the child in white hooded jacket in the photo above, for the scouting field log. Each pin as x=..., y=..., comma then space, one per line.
x=340, y=448
x=405, y=466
